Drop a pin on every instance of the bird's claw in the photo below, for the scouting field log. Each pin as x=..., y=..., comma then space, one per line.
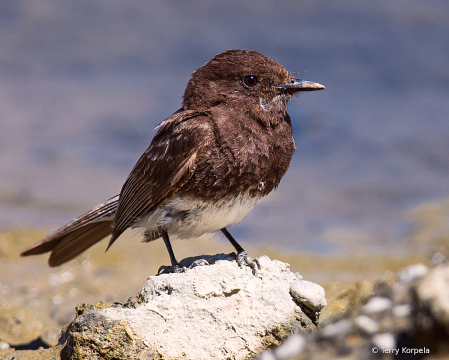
x=243, y=259
x=177, y=269
x=174, y=269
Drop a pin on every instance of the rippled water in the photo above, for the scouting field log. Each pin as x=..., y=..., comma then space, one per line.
x=83, y=84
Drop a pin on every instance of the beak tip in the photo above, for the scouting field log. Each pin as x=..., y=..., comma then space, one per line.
x=297, y=85
x=310, y=86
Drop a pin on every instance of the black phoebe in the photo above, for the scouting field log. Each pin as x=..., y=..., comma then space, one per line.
x=209, y=163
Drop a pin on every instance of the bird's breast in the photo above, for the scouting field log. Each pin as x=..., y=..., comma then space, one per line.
x=244, y=156
x=189, y=216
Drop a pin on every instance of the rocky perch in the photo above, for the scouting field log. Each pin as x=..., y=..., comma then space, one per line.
x=218, y=311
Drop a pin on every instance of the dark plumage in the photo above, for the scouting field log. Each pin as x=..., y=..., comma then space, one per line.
x=209, y=163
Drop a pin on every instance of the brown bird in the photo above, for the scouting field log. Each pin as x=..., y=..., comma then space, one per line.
x=209, y=163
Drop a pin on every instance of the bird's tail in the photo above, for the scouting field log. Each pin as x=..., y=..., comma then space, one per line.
x=78, y=235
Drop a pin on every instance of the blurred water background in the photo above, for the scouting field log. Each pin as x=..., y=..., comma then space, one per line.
x=84, y=83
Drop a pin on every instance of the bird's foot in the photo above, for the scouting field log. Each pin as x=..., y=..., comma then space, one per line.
x=243, y=259
x=174, y=269
x=177, y=269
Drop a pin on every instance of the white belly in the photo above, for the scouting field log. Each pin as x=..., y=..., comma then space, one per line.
x=189, y=218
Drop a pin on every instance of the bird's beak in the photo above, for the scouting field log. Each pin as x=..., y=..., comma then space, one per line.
x=295, y=85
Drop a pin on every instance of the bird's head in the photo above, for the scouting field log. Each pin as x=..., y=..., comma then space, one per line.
x=244, y=78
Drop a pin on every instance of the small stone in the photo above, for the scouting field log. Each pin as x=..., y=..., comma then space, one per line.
x=412, y=272
x=377, y=305
x=385, y=340
x=433, y=293
x=402, y=310
x=309, y=294
x=266, y=355
x=366, y=324
x=291, y=347
x=339, y=328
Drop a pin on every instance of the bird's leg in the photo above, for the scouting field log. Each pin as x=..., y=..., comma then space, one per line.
x=169, y=248
x=242, y=256
x=232, y=241
x=174, y=268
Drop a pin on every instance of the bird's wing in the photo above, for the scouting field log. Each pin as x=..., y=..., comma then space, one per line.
x=164, y=167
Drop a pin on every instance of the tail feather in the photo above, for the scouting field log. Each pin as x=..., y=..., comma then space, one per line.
x=79, y=240
x=78, y=235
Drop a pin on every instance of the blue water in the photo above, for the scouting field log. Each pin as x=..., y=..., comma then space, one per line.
x=83, y=84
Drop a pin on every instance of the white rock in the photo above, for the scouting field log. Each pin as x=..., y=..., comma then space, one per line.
x=340, y=327
x=376, y=305
x=309, y=294
x=266, y=355
x=412, y=272
x=402, y=310
x=293, y=346
x=366, y=324
x=384, y=340
x=433, y=292
x=220, y=311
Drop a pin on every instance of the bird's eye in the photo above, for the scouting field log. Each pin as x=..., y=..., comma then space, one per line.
x=250, y=80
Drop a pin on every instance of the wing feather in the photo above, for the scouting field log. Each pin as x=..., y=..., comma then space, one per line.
x=164, y=167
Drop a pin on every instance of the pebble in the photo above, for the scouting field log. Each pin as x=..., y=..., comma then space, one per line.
x=266, y=355
x=340, y=327
x=309, y=294
x=402, y=310
x=385, y=340
x=291, y=347
x=366, y=324
x=377, y=305
x=412, y=272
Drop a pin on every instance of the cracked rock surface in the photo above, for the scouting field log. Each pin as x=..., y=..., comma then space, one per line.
x=217, y=311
